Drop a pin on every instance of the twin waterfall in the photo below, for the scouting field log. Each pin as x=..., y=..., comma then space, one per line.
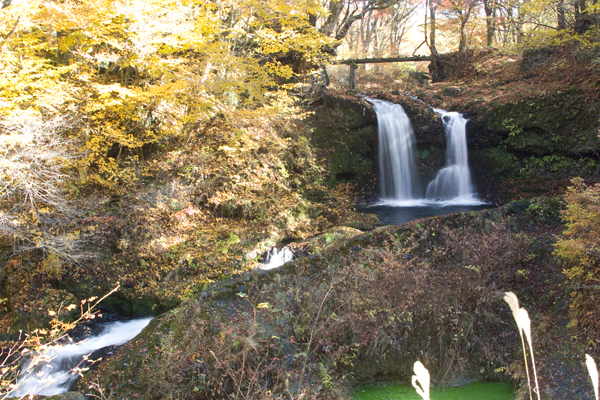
x=399, y=181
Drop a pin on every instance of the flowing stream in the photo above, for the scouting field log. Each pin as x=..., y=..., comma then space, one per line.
x=55, y=374
x=275, y=258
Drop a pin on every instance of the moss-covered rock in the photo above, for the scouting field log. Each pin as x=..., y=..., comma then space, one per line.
x=124, y=302
x=344, y=127
x=540, y=124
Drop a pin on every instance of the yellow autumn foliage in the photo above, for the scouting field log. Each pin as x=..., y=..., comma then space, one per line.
x=579, y=247
x=171, y=146
x=138, y=72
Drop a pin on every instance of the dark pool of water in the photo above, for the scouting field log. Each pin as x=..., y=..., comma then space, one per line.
x=398, y=215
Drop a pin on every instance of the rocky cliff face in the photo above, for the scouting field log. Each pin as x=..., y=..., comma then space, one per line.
x=344, y=127
x=540, y=124
x=533, y=118
x=524, y=144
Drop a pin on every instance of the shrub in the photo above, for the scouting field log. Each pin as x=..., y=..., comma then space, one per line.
x=579, y=248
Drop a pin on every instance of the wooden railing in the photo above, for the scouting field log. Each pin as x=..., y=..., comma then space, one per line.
x=354, y=62
x=382, y=60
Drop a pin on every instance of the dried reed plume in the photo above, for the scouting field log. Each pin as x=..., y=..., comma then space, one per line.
x=513, y=303
x=593, y=371
x=525, y=323
x=421, y=378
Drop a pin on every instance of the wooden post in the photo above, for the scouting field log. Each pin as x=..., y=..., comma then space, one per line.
x=352, y=76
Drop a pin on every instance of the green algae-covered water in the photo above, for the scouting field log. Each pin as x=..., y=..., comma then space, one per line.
x=473, y=391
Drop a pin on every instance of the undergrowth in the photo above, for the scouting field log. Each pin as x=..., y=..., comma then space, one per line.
x=430, y=290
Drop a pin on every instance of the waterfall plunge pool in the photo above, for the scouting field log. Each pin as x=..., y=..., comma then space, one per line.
x=473, y=391
x=398, y=213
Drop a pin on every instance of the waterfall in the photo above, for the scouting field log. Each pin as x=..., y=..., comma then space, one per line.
x=56, y=371
x=453, y=182
x=397, y=146
x=398, y=177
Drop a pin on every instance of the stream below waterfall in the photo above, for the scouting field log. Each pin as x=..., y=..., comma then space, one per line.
x=54, y=373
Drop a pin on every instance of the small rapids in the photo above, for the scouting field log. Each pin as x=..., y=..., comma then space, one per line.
x=275, y=258
x=55, y=373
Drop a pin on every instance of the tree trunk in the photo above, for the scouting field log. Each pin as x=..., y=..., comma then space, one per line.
x=366, y=30
x=584, y=20
x=462, y=47
x=520, y=23
x=560, y=14
x=510, y=29
x=394, y=45
x=432, y=8
x=490, y=20
x=335, y=9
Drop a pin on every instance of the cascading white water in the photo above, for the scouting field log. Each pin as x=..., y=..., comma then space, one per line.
x=276, y=258
x=55, y=374
x=453, y=182
x=397, y=146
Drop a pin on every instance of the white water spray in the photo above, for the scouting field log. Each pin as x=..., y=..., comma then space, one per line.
x=454, y=180
x=276, y=258
x=397, y=146
x=56, y=374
